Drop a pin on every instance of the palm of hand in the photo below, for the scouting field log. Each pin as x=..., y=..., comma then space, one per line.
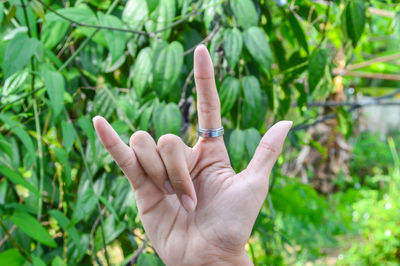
x=217, y=224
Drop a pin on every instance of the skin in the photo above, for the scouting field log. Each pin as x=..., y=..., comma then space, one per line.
x=195, y=209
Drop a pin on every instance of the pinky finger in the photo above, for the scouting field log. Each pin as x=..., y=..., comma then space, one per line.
x=122, y=154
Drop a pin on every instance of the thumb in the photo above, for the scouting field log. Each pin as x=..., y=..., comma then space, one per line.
x=267, y=153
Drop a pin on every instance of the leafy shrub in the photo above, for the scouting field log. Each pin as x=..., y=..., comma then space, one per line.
x=63, y=200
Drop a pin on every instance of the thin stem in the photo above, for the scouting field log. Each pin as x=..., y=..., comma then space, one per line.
x=37, y=125
x=13, y=242
x=151, y=34
x=325, y=25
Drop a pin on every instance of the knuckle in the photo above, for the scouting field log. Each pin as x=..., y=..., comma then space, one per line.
x=208, y=107
x=179, y=183
x=268, y=147
x=111, y=145
x=125, y=163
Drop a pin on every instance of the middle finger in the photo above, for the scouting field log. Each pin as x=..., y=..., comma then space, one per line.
x=148, y=156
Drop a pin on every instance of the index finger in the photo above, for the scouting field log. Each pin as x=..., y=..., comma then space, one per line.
x=208, y=104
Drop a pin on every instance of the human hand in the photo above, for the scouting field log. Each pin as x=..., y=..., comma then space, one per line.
x=195, y=209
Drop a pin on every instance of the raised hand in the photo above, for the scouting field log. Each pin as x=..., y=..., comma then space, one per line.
x=195, y=209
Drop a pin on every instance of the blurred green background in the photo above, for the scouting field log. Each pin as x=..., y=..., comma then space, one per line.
x=330, y=66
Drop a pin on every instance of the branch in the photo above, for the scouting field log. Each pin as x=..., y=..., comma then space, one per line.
x=14, y=243
x=206, y=39
x=150, y=34
x=368, y=75
x=137, y=253
x=351, y=104
x=354, y=106
x=372, y=61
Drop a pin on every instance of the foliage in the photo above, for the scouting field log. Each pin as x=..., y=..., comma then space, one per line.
x=63, y=200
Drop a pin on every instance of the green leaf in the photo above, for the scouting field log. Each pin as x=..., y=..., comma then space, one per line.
x=252, y=109
x=142, y=71
x=69, y=134
x=152, y=5
x=84, y=206
x=232, y=46
x=245, y=13
x=16, y=178
x=111, y=231
x=33, y=228
x=21, y=133
x=64, y=223
x=103, y=104
x=36, y=261
x=57, y=261
x=88, y=128
x=353, y=20
x=167, y=119
x=229, y=93
x=253, y=138
x=54, y=83
x=52, y=33
x=257, y=44
x=116, y=40
x=298, y=31
x=316, y=68
x=211, y=8
x=166, y=68
x=236, y=148
x=147, y=259
x=397, y=25
x=345, y=122
x=135, y=13
x=162, y=17
x=14, y=60
x=81, y=14
x=109, y=207
x=1, y=12
x=13, y=83
x=11, y=257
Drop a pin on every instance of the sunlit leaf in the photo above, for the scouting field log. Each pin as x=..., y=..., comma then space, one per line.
x=245, y=13
x=135, y=13
x=257, y=44
x=142, y=71
x=16, y=178
x=232, y=46
x=11, y=257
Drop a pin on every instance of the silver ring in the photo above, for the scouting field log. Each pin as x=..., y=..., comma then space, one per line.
x=210, y=133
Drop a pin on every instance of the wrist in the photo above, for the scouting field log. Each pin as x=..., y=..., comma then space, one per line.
x=240, y=260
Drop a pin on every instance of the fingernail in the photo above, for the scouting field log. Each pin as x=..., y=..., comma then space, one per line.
x=94, y=118
x=168, y=187
x=188, y=203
